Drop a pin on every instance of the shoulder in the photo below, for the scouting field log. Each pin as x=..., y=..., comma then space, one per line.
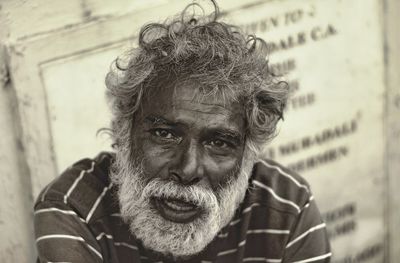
x=81, y=185
x=277, y=187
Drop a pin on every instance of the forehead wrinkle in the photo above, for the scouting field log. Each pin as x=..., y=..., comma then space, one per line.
x=226, y=123
x=198, y=96
x=201, y=111
x=223, y=105
x=211, y=108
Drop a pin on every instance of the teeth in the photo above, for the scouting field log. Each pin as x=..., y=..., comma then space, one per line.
x=178, y=206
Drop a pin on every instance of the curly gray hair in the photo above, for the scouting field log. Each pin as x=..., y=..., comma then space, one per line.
x=217, y=55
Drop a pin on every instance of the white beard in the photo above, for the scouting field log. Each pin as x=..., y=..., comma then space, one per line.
x=166, y=237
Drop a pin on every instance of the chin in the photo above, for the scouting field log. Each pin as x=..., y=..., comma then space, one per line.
x=166, y=230
x=174, y=239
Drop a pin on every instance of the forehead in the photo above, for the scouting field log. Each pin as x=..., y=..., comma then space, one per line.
x=187, y=103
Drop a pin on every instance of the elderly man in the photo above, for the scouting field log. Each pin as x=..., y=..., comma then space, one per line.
x=191, y=111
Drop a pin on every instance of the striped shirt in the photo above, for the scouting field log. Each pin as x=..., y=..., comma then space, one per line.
x=77, y=219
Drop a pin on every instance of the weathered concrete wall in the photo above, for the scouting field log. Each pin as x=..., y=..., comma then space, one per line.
x=392, y=37
x=15, y=190
x=22, y=19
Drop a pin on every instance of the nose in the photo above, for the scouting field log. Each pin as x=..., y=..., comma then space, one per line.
x=188, y=169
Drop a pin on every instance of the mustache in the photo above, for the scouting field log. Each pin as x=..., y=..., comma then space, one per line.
x=195, y=194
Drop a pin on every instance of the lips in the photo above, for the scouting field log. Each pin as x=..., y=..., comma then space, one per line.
x=176, y=210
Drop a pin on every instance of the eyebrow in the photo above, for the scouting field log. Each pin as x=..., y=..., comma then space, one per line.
x=226, y=133
x=157, y=120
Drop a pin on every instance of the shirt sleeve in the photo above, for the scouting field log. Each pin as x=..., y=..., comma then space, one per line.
x=308, y=241
x=62, y=235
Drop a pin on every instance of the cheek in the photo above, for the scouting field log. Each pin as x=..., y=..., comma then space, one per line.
x=155, y=159
x=221, y=170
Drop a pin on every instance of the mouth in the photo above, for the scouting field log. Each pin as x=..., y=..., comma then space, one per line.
x=176, y=210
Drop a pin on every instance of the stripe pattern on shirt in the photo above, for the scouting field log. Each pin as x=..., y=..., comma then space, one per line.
x=77, y=216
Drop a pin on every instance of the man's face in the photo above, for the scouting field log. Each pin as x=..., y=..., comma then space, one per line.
x=189, y=173
x=189, y=141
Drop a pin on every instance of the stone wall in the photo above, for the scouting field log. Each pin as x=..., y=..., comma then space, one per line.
x=392, y=58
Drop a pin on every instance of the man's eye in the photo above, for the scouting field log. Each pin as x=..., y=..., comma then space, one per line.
x=218, y=144
x=162, y=133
